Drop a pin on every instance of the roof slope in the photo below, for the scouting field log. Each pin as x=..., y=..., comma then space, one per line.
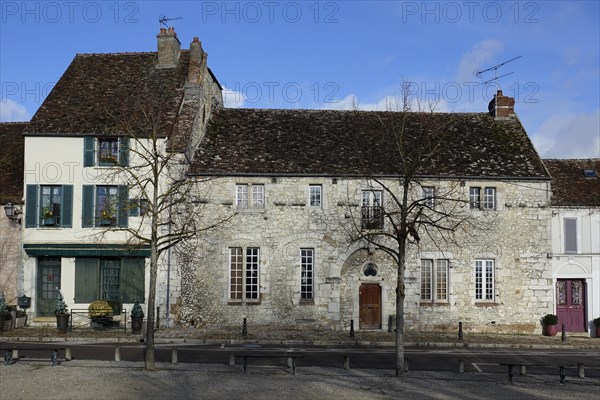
x=570, y=187
x=106, y=93
x=354, y=143
x=12, y=149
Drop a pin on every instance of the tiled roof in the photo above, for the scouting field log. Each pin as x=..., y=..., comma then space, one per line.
x=104, y=93
x=353, y=143
x=12, y=149
x=569, y=185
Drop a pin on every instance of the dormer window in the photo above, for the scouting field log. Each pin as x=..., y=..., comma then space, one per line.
x=108, y=151
x=105, y=151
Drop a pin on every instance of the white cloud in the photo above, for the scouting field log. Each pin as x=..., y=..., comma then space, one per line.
x=569, y=135
x=387, y=103
x=233, y=99
x=11, y=111
x=477, y=59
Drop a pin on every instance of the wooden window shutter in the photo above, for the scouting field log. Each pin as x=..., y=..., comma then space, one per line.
x=123, y=213
x=88, y=206
x=124, y=151
x=88, y=151
x=87, y=278
x=67, y=206
x=133, y=280
x=31, y=202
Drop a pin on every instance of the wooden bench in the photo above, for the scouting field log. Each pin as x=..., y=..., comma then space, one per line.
x=11, y=355
x=289, y=356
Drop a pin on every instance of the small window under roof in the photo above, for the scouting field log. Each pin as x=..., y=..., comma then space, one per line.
x=590, y=173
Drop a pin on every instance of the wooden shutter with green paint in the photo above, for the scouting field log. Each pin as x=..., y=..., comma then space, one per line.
x=123, y=199
x=67, y=206
x=124, y=151
x=88, y=151
x=133, y=280
x=86, y=280
x=31, y=202
x=87, y=210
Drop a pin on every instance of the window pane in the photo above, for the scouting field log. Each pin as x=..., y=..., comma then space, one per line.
x=474, y=197
x=306, y=278
x=242, y=196
x=428, y=195
x=570, y=235
x=426, y=279
x=252, y=273
x=315, y=196
x=258, y=196
x=489, y=280
x=489, y=198
x=111, y=272
x=106, y=204
x=441, y=278
x=235, y=273
x=108, y=151
x=478, y=280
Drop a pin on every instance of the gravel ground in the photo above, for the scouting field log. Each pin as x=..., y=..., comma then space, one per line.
x=83, y=379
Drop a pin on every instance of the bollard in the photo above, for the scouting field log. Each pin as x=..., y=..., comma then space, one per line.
x=461, y=367
x=580, y=370
x=231, y=359
x=117, y=353
x=174, y=356
x=561, y=373
x=15, y=354
x=460, y=331
x=68, y=356
x=346, y=362
x=244, y=328
x=290, y=360
x=351, y=328
x=54, y=357
x=522, y=369
x=406, y=365
x=563, y=334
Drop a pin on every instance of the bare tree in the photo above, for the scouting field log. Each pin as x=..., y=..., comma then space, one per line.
x=411, y=208
x=170, y=203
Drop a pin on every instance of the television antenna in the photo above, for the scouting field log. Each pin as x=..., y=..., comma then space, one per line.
x=495, y=68
x=164, y=19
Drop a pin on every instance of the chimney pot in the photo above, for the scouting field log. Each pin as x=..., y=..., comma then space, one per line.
x=502, y=107
x=168, y=48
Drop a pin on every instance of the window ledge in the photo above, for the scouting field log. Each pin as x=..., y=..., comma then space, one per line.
x=434, y=304
x=242, y=303
x=307, y=302
x=487, y=304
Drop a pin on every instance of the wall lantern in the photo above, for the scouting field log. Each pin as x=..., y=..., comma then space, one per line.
x=12, y=212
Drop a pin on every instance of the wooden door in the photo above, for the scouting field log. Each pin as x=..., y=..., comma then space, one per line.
x=370, y=306
x=570, y=304
x=48, y=285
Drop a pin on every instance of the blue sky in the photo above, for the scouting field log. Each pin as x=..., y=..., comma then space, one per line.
x=336, y=54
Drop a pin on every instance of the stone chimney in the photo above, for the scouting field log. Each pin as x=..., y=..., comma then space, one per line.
x=502, y=107
x=168, y=48
x=197, y=63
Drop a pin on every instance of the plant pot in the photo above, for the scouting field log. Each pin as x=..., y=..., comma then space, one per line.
x=3, y=319
x=48, y=221
x=550, y=330
x=20, y=322
x=598, y=331
x=136, y=324
x=62, y=322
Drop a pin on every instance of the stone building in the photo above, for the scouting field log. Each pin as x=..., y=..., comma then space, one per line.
x=300, y=180
x=11, y=193
x=576, y=242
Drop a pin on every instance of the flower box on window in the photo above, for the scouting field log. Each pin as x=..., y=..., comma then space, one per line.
x=106, y=221
x=48, y=221
x=108, y=159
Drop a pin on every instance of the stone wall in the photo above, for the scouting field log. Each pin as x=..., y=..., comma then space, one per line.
x=516, y=236
x=10, y=256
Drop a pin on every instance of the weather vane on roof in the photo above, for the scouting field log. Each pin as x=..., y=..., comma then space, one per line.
x=164, y=19
x=495, y=68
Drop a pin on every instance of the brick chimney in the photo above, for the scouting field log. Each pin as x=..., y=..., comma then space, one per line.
x=502, y=107
x=197, y=62
x=168, y=48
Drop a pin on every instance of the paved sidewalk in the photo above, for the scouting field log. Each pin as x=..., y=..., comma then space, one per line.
x=305, y=336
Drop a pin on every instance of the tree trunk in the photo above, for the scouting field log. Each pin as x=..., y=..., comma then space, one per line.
x=151, y=308
x=400, y=294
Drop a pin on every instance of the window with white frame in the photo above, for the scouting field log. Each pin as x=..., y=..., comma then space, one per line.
x=307, y=265
x=429, y=196
x=482, y=198
x=484, y=280
x=314, y=197
x=434, y=281
x=570, y=235
x=244, y=271
x=257, y=199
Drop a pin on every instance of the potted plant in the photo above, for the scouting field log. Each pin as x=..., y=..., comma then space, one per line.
x=549, y=322
x=48, y=217
x=62, y=314
x=21, y=319
x=107, y=217
x=137, y=317
x=4, y=311
x=597, y=325
x=100, y=312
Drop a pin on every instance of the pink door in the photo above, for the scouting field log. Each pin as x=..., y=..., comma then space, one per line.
x=570, y=302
